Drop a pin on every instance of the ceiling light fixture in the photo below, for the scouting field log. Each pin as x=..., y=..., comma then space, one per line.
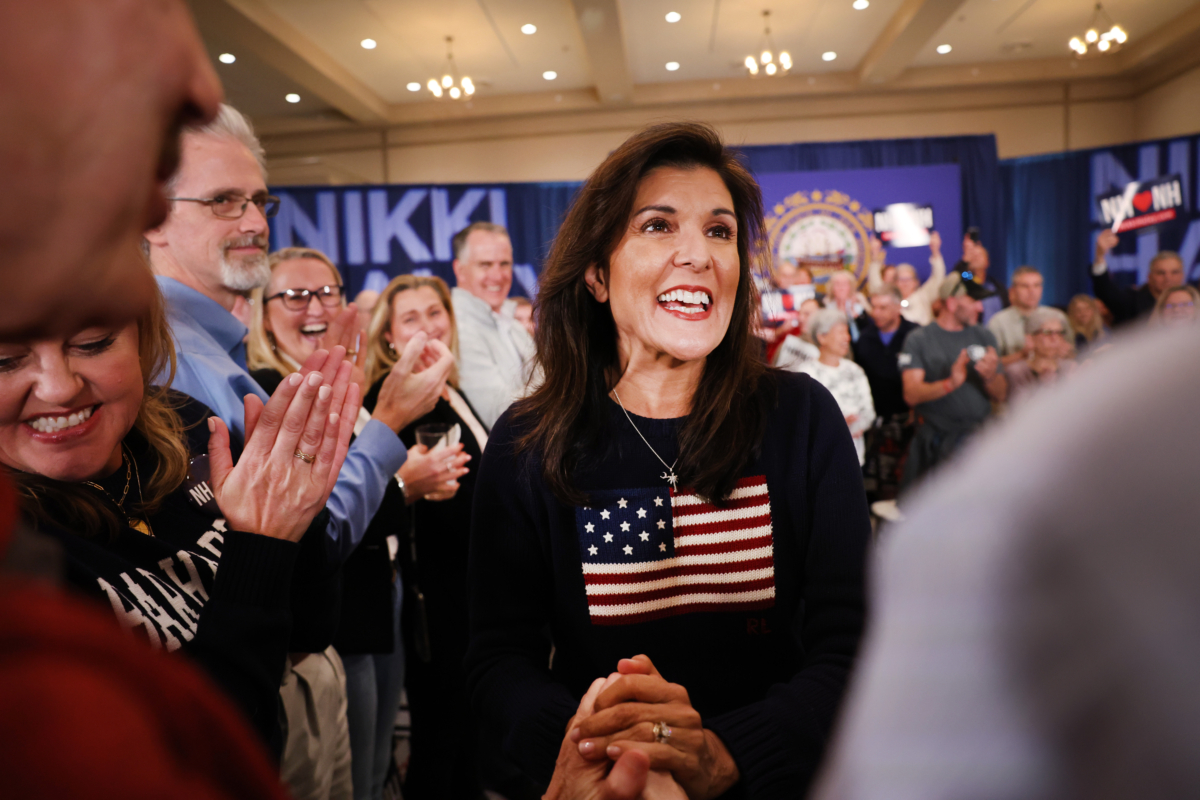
x=1108, y=42
x=828, y=55
x=549, y=74
x=672, y=66
x=451, y=84
x=767, y=60
x=369, y=44
x=414, y=86
x=292, y=97
x=227, y=58
x=861, y=5
x=674, y=16
x=943, y=49
x=529, y=29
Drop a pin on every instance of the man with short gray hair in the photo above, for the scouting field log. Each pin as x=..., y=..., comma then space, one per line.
x=495, y=353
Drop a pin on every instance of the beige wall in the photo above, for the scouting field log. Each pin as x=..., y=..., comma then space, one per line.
x=1026, y=121
x=1171, y=109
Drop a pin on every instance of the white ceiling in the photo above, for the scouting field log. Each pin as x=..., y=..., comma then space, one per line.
x=411, y=34
x=714, y=36
x=709, y=42
x=998, y=30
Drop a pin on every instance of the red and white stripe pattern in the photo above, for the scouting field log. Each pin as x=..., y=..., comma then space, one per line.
x=705, y=559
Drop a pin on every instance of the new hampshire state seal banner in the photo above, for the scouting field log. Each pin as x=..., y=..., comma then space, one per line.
x=824, y=220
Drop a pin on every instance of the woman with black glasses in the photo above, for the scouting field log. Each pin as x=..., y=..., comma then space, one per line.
x=291, y=317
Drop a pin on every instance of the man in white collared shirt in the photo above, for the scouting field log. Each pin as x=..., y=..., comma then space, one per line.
x=495, y=352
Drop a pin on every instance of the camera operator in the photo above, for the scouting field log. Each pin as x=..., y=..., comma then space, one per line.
x=974, y=267
x=951, y=375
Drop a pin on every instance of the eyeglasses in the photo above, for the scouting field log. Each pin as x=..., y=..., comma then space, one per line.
x=1178, y=306
x=1049, y=332
x=233, y=206
x=298, y=299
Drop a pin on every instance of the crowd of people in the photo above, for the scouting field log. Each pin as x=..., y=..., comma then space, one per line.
x=607, y=548
x=924, y=365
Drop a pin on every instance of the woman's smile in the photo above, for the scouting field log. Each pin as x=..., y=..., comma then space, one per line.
x=687, y=302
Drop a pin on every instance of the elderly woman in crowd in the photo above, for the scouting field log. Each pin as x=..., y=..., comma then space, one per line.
x=301, y=304
x=664, y=508
x=1050, y=353
x=147, y=507
x=1085, y=320
x=1177, y=306
x=434, y=554
x=841, y=292
x=844, y=379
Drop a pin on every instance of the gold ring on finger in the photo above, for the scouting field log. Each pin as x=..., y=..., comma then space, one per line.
x=662, y=732
x=305, y=457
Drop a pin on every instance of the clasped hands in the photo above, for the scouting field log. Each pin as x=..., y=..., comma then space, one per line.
x=615, y=725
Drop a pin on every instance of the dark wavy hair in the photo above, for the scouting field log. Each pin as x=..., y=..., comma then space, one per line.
x=566, y=416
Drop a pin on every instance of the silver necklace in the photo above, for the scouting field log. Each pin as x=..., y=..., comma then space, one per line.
x=669, y=476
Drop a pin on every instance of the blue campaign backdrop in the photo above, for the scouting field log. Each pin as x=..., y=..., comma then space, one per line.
x=865, y=190
x=1052, y=217
x=376, y=232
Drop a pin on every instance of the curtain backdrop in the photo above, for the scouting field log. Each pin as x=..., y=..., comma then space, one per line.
x=1052, y=218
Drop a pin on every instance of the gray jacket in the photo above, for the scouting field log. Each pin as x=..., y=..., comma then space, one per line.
x=495, y=356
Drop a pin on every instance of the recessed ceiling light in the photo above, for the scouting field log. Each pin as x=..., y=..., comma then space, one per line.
x=528, y=28
x=549, y=74
x=860, y=5
x=369, y=44
x=944, y=48
x=673, y=16
x=672, y=66
x=227, y=58
x=828, y=55
x=292, y=97
x=414, y=87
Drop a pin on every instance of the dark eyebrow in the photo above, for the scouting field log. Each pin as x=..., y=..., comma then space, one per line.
x=723, y=211
x=663, y=209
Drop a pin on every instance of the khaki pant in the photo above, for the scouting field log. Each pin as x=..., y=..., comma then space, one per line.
x=316, y=755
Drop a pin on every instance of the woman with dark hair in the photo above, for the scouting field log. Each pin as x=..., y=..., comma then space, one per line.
x=663, y=494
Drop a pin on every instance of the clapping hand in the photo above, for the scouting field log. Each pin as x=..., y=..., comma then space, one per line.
x=295, y=445
x=986, y=366
x=412, y=388
x=344, y=331
x=576, y=778
x=628, y=710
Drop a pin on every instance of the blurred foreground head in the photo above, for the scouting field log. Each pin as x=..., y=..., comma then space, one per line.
x=95, y=94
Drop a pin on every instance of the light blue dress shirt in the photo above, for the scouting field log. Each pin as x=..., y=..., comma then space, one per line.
x=211, y=367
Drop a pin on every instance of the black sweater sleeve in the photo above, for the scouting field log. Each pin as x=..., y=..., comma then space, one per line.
x=511, y=594
x=242, y=635
x=1119, y=301
x=778, y=741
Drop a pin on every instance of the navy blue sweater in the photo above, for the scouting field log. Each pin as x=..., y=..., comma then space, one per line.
x=766, y=676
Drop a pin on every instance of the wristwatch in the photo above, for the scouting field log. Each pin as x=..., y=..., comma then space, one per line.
x=403, y=488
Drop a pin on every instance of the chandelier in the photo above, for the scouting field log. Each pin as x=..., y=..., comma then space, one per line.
x=767, y=61
x=1109, y=41
x=450, y=84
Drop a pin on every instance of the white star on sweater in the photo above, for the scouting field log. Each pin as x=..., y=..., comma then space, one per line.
x=662, y=524
x=641, y=513
x=658, y=502
x=662, y=546
x=593, y=550
x=608, y=537
x=622, y=503
x=628, y=550
x=624, y=526
x=590, y=528
x=604, y=514
x=645, y=537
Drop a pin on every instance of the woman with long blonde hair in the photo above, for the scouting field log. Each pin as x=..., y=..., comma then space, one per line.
x=434, y=560
x=137, y=484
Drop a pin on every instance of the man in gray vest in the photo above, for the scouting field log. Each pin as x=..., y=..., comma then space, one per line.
x=495, y=352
